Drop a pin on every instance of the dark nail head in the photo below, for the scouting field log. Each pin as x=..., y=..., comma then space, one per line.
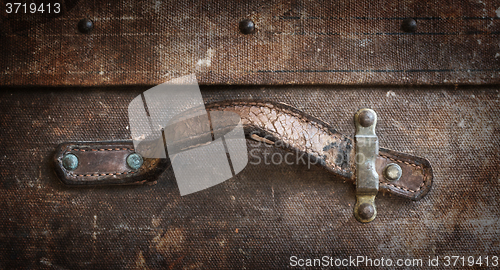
x=366, y=118
x=85, y=26
x=366, y=211
x=247, y=27
x=409, y=25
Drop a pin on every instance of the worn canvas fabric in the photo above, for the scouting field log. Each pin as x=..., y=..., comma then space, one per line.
x=268, y=212
x=435, y=92
x=295, y=42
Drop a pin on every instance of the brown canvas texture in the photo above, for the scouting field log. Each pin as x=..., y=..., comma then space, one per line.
x=435, y=91
x=265, y=214
x=296, y=42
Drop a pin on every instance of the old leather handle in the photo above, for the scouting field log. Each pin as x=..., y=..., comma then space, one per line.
x=103, y=163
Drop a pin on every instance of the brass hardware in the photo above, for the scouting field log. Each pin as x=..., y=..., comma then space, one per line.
x=392, y=172
x=367, y=182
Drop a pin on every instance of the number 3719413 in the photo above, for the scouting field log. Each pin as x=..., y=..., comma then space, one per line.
x=32, y=8
x=471, y=261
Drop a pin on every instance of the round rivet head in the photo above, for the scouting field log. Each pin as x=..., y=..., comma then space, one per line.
x=366, y=211
x=247, y=27
x=409, y=25
x=392, y=172
x=134, y=161
x=366, y=118
x=70, y=162
x=85, y=26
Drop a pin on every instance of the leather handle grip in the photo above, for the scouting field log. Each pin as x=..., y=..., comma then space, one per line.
x=275, y=123
x=296, y=131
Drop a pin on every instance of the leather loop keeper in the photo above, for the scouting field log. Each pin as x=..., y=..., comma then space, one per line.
x=104, y=163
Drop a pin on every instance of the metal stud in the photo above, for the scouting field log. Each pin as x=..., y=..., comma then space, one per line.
x=70, y=162
x=85, y=26
x=366, y=211
x=247, y=26
x=392, y=172
x=409, y=25
x=366, y=118
x=134, y=161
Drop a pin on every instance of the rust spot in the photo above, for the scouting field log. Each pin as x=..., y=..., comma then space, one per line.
x=140, y=262
x=172, y=265
x=170, y=242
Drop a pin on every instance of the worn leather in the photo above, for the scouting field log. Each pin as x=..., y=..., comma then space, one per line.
x=289, y=128
x=101, y=163
x=270, y=122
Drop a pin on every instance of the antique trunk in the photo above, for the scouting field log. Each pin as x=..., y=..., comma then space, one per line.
x=75, y=195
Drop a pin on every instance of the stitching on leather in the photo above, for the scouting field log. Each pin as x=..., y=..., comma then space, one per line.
x=103, y=174
x=411, y=164
x=96, y=150
x=101, y=149
x=400, y=161
x=410, y=190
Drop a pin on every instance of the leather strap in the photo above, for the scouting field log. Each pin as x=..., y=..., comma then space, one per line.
x=104, y=163
x=293, y=130
x=270, y=122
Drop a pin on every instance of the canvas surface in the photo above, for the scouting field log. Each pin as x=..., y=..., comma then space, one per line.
x=435, y=91
x=296, y=42
x=268, y=212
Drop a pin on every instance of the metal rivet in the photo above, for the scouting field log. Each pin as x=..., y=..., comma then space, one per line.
x=409, y=25
x=392, y=172
x=247, y=27
x=366, y=118
x=134, y=161
x=70, y=162
x=366, y=211
x=85, y=26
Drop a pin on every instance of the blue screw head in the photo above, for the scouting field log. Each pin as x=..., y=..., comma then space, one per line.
x=134, y=161
x=70, y=162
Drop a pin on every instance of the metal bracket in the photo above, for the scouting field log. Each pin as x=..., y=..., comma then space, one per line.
x=367, y=182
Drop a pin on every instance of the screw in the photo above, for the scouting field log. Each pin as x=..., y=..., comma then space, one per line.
x=247, y=27
x=134, y=161
x=366, y=211
x=85, y=26
x=366, y=118
x=70, y=162
x=409, y=25
x=392, y=172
